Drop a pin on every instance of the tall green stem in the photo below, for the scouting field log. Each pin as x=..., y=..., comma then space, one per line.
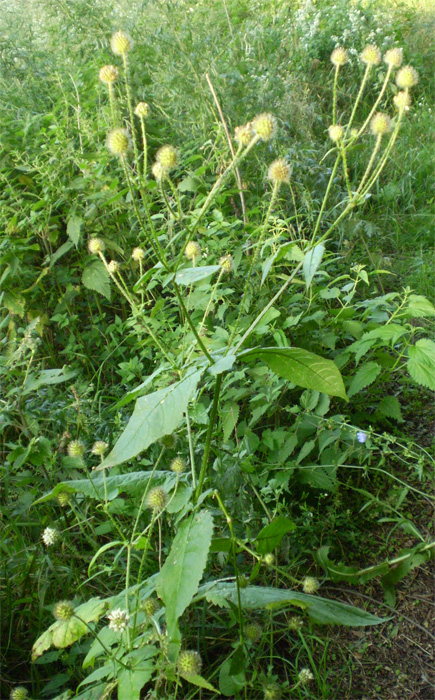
x=211, y=427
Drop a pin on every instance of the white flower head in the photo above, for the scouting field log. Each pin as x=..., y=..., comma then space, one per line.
x=49, y=536
x=118, y=620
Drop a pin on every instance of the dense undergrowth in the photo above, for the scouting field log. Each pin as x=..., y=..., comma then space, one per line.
x=209, y=349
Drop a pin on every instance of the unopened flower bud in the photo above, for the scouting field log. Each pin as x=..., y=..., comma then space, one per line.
x=76, y=448
x=120, y=43
x=63, y=498
x=63, y=610
x=264, y=125
x=178, y=465
x=226, y=263
x=99, y=447
x=108, y=74
x=113, y=267
x=192, y=251
x=157, y=499
x=371, y=55
x=138, y=254
x=19, y=693
x=305, y=676
x=402, y=100
x=150, y=607
x=339, y=56
x=167, y=156
x=380, y=124
x=253, y=632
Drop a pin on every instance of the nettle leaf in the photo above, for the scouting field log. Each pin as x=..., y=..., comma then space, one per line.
x=230, y=414
x=321, y=610
x=390, y=407
x=96, y=278
x=271, y=535
x=312, y=261
x=154, y=416
x=365, y=376
x=389, y=334
x=419, y=307
x=421, y=362
x=199, y=681
x=303, y=368
x=195, y=274
x=73, y=228
x=182, y=571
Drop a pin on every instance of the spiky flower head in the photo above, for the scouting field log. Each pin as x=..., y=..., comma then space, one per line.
x=120, y=43
x=159, y=171
x=339, y=56
x=63, y=498
x=150, y=607
x=142, y=110
x=380, y=124
x=264, y=125
x=406, y=77
x=189, y=663
x=118, y=620
x=178, y=465
x=157, y=499
x=394, y=57
x=305, y=676
x=279, y=171
x=253, y=631
x=272, y=691
x=64, y=610
x=49, y=536
x=310, y=584
x=226, y=263
x=335, y=133
x=402, y=100
x=354, y=133
x=371, y=55
x=167, y=156
x=269, y=559
x=295, y=623
x=243, y=135
x=75, y=448
x=99, y=447
x=95, y=246
x=138, y=254
x=113, y=267
x=169, y=440
x=19, y=693
x=192, y=251
x=118, y=142
x=108, y=74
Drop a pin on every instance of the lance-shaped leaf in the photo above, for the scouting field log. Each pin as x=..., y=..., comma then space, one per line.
x=195, y=274
x=154, y=416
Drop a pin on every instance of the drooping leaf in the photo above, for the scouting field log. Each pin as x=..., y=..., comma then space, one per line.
x=182, y=571
x=154, y=416
x=271, y=535
x=195, y=274
x=365, y=376
x=199, y=681
x=421, y=362
x=63, y=633
x=312, y=261
x=96, y=278
x=301, y=367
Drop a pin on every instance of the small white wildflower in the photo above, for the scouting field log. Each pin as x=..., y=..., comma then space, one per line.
x=310, y=584
x=49, y=536
x=305, y=676
x=118, y=620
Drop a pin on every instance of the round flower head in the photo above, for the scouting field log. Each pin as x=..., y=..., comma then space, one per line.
x=150, y=607
x=157, y=499
x=394, y=57
x=371, y=55
x=310, y=584
x=264, y=125
x=99, y=447
x=159, y=171
x=95, y=246
x=138, y=254
x=113, y=266
x=361, y=437
x=167, y=156
x=243, y=135
x=402, y=100
x=339, y=56
x=142, y=110
x=189, y=663
x=279, y=171
x=295, y=624
x=380, y=124
x=269, y=559
x=169, y=441
x=49, y=536
x=192, y=251
x=305, y=676
x=335, y=133
x=272, y=692
x=118, y=620
x=108, y=74
x=406, y=77
x=253, y=632
x=118, y=142
x=76, y=448
x=120, y=43
x=178, y=465
x=63, y=610
x=19, y=693
x=226, y=263
x=63, y=498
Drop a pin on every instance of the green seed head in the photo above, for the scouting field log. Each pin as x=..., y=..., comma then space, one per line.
x=371, y=55
x=169, y=441
x=19, y=693
x=76, y=448
x=192, y=251
x=243, y=135
x=142, y=110
x=253, y=632
x=118, y=142
x=157, y=499
x=63, y=610
x=108, y=74
x=272, y=692
x=63, y=498
x=339, y=56
x=95, y=246
x=226, y=263
x=189, y=663
x=295, y=624
x=310, y=584
x=269, y=559
x=99, y=447
x=394, y=57
x=167, y=156
x=380, y=124
x=120, y=43
x=406, y=77
x=264, y=125
x=279, y=171
x=150, y=607
x=178, y=465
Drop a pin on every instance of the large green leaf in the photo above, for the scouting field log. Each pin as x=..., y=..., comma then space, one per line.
x=301, y=367
x=365, y=376
x=63, y=633
x=271, y=535
x=319, y=609
x=73, y=228
x=96, y=277
x=312, y=261
x=132, y=680
x=46, y=377
x=154, y=416
x=421, y=362
x=195, y=274
x=182, y=571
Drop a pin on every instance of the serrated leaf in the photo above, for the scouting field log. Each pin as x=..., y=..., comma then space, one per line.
x=390, y=333
x=303, y=368
x=182, y=571
x=271, y=535
x=96, y=278
x=199, y=681
x=195, y=274
x=419, y=307
x=311, y=263
x=230, y=412
x=365, y=376
x=154, y=416
x=390, y=407
x=421, y=362
x=73, y=228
